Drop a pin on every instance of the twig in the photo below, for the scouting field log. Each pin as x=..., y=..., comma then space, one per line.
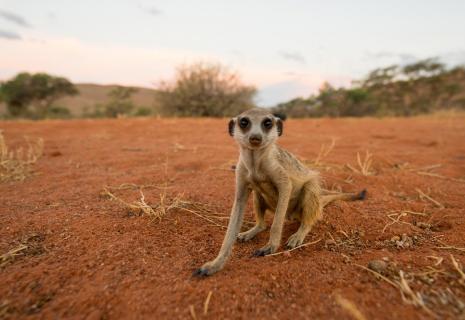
x=415, y=298
x=287, y=251
x=426, y=168
x=439, y=260
x=395, y=285
x=350, y=307
x=397, y=216
x=435, y=175
x=423, y=195
x=203, y=217
x=192, y=312
x=458, y=267
x=206, y=303
x=448, y=247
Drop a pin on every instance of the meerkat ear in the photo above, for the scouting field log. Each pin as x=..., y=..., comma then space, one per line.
x=231, y=125
x=280, y=115
x=279, y=126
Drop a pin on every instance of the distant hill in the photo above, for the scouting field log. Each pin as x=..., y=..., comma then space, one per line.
x=92, y=94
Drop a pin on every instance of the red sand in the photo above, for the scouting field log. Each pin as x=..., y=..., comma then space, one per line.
x=87, y=258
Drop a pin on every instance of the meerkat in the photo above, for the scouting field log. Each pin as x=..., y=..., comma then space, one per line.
x=279, y=183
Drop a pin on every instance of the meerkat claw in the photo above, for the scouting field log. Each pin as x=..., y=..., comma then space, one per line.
x=200, y=272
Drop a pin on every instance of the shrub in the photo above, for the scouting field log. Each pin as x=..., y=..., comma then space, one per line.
x=143, y=112
x=32, y=95
x=120, y=102
x=204, y=90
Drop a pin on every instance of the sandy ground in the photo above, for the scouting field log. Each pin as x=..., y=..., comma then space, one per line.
x=89, y=257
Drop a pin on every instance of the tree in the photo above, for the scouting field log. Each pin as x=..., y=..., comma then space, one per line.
x=34, y=94
x=423, y=68
x=120, y=102
x=205, y=90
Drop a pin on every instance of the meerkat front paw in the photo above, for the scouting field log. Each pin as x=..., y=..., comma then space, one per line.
x=295, y=240
x=207, y=269
x=266, y=250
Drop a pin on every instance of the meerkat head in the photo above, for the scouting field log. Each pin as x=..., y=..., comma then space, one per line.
x=255, y=128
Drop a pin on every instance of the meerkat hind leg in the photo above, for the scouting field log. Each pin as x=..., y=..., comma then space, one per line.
x=259, y=208
x=310, y=214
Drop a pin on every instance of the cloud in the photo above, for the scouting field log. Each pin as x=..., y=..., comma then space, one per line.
x=4, y=34
x=293, y=56
x=14, y=18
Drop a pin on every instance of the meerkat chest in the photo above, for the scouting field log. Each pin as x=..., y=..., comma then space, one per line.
x=259, y=183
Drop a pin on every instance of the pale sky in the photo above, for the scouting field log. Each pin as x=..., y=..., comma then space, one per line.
x=286, y=48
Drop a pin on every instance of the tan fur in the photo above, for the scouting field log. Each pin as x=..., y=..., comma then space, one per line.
x=280, y=183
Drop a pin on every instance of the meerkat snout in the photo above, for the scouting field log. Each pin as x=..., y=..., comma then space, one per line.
x=255, y=139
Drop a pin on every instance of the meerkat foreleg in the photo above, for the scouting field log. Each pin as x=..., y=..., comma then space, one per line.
x=276, y=230
x=234, y=225
x=259, y=208
x=311, y=212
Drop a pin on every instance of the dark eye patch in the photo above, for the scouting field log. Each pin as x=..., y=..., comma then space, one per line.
x=267, y=124
x=244, y=123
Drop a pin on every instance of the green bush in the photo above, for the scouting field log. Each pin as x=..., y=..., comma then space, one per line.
x=32, y=95
x=143, y=112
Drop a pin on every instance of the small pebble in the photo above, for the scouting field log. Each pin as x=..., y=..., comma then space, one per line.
x=330, y=242
x=377, y=265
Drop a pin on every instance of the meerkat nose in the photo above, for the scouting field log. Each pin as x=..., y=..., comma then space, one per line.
x=255, y=139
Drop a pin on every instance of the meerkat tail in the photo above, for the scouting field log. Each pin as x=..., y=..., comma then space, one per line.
x=352, y=196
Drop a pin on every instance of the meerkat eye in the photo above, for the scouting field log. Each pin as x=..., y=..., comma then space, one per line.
x=267, y=124
x=244, y=123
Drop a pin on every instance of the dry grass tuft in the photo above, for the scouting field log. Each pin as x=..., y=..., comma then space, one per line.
x=12, y=254
x=428, y=290
x=159, y=210
x=165, y=205
x=350, y=307
x=364, y=165
x=15, y=165
x=29, y=245
x=325, y=150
